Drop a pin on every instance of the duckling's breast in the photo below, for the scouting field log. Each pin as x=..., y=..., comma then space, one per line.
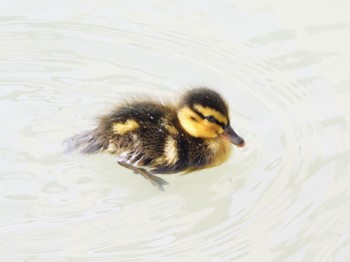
x=205, y=153
x=220, y=151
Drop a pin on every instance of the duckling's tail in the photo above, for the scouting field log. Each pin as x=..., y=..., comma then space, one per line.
x=86, y=142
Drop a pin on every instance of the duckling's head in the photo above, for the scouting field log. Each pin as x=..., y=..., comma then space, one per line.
x=203, y=113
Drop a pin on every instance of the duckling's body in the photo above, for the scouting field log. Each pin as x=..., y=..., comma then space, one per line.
x=154, y=138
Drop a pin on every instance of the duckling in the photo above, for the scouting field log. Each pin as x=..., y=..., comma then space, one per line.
x=150, y=137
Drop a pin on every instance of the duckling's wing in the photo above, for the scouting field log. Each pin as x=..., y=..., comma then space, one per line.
x=141, y=134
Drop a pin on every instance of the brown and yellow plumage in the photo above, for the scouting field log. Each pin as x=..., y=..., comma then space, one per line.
x=149, y=137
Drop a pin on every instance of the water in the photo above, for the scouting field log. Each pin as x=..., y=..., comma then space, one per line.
x=284, y=70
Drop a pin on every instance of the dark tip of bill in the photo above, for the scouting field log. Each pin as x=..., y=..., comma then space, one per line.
x=241, y=144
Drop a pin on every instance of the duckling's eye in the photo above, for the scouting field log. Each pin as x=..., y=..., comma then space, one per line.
x=211, y=118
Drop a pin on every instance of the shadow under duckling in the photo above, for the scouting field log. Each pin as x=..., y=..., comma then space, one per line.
x=150, y=137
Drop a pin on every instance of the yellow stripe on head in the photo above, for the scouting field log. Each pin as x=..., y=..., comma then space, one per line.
x=196, y=126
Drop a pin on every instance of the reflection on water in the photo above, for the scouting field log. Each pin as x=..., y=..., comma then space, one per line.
x=285, y=197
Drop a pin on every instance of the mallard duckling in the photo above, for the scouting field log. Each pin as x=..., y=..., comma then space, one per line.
x=150, y=137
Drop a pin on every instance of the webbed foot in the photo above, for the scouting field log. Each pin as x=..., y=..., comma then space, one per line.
x=156, y=181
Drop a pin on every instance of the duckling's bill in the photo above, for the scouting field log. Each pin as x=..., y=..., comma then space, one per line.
x=230, y=135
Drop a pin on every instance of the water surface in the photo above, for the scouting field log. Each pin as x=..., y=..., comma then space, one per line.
x=284, y=70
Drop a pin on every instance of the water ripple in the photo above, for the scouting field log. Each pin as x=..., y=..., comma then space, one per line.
x=284, y=197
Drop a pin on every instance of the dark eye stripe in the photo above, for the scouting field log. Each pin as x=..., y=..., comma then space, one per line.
x=219, y=123
x=212, y=118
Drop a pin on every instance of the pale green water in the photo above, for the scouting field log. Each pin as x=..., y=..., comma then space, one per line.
x=283, y=66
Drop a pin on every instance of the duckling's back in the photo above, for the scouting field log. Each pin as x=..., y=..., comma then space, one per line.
x=142, y=134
